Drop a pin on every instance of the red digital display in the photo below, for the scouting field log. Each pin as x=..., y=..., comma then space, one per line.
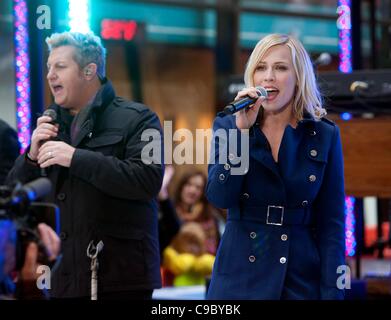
x=118, y=29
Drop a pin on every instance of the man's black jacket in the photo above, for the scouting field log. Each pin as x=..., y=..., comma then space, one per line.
x=107, y=194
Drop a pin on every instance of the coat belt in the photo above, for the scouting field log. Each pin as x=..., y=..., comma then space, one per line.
x=272, y=214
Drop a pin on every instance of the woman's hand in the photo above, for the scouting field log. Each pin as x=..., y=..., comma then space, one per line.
x=246, y=117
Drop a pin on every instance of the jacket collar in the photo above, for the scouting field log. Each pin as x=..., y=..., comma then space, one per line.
x=308, y=119
x=261, y=151
x=102, y=99
x=104, y=96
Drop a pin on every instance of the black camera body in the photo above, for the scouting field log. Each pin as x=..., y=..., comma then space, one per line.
x=20, y=214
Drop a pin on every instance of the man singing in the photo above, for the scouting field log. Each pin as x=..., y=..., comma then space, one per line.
x=92, y=155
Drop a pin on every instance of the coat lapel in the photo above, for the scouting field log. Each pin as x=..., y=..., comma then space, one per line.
x=86, y=129
x=260, y=151
x=103, y=98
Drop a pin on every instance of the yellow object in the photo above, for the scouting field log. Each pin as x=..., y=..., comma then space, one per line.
x=188, y=268
x=177, y=263
x=204, y=264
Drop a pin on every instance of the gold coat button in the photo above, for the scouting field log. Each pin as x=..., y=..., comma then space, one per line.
x=284, y=237
x=313, y=153
x=221, y=177
x=227, y=166
x=251, y=259
x=282, y=260
x=253, y=235
x=312, y=178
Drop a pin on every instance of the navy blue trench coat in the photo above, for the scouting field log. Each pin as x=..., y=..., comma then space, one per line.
x=284, y=237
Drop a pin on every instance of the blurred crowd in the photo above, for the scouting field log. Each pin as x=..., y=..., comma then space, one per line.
x=189, y=230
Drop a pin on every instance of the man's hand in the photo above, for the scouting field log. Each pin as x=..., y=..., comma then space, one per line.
x=50, y=240
x=52, y=245
x=30, y=265
x=55, y=152
x=44, y=131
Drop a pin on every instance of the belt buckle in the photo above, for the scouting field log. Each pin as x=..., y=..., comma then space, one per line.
x=282, y=215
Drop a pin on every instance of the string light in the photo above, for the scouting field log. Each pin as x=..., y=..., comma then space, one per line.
x=22, y=73
x=345, y=45
x=350, y=225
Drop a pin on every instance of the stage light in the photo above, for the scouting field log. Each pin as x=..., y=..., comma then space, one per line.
x=344, y=43
x=22, y=73
x=350, y=225
x=346, y=116
x=344, y=25
x=78, y=13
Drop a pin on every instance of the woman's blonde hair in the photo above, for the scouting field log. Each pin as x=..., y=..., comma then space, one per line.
x=307, y=97
x=89, y=49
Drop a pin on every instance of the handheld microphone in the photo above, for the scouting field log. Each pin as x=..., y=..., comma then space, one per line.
x=53, y=115
x=240, y=104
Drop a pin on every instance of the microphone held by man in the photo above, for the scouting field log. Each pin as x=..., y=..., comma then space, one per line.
x=44, y=150
x=53, y=115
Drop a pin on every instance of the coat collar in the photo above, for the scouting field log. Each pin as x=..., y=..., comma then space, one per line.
x=102, y=99
x=307, y=119
x=104, y=96
x=260, y=148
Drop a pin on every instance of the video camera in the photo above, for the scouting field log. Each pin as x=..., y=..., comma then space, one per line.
x=20, y=214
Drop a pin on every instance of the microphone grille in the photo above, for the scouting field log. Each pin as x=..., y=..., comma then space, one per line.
x=51, y=113
x=262, y=92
